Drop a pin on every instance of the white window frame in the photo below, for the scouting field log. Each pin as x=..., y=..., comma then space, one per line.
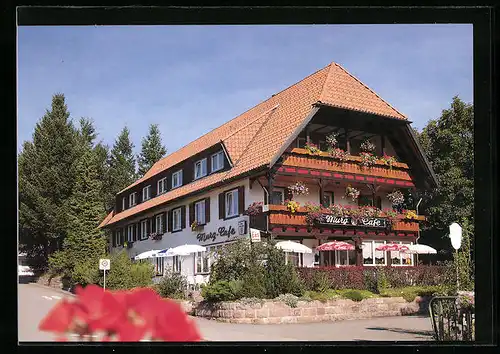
x=372, y=242
x=117, y=238
x=159, y=225
x=176, y=264
x=163, y=184
x=177, y=174
x=231, y=213
x=144, y=229
x=148, y=190
x=337, y=259
x=159, y=266
x=282, y=190
x=203, y=168
x=130, y=233
x=296, y=255
x=200, y=219
x=401, y=255
x=202, y=262
x=132, y=200
x=177, y=216
x=123, y=203
x=219, y=157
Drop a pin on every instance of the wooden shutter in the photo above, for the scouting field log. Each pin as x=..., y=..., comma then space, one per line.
x=134, y=232
x=183, y=217
x=123, y=238
x=241, y=199
x=207, y=210
x=170, y=222
x=153, y=223
x=222, y=205
x=191, y=213
x=164, y=216
x=154, y=187
x=113, y=238
x=209, y=165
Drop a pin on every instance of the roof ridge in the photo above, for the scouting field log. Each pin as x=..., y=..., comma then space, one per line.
x=369, y=89
x=251, y=122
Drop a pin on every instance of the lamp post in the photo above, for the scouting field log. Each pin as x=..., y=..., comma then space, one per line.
x=456, y=240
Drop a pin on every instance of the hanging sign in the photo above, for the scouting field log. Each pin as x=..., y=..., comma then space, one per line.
x=348, y=221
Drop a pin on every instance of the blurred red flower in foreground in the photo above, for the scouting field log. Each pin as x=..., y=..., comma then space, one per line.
x=123, y=316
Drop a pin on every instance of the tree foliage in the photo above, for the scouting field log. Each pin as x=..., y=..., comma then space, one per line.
x=152, y=150
x=46, y=181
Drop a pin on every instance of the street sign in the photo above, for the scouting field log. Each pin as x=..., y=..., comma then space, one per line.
x=456, y=235
x=255, y=235
x=104, y=264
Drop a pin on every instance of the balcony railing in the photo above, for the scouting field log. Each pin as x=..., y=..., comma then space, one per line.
x=323, y=161
x=280, y=215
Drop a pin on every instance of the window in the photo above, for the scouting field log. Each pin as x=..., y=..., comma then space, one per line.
x=159, y=224
x=118, y=239
x=144, y=229
x=159, y=265
x=202, y=262
x=217, y=161
x=200, y=169
x=146, y=193
x=344, y=258
x=199, y=212
x=402, y=258
x=177, y=179
x=130, y=233
x=132, y=199
x=176, y=219
x=371, y=256
x=294, y=258
x=176, y=264
x=232, y=203
x=365, y=200
x=123, y=203
x=328, y=199
x=162, y=185
x=278, y=196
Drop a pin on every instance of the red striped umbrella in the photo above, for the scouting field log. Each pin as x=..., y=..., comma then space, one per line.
x=335, y=246
x=392, y=247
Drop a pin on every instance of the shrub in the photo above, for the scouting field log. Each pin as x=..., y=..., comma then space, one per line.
x=355, y=295
x=221, y=290
x=253, y=284
x=124, y=274
x=321, y=296
x=172, y=285
x=320, y=282
x=289, y=299
x=280, y=278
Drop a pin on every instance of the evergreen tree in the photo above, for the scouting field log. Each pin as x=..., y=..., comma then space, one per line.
x=84, y=242
x=152, y=150
x=46, y=180
x=121, y=171
x=449, y=146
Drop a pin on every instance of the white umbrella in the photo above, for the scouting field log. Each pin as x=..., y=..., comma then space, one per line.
x=420, y=249
x=183, y=250
x=290, y=246
x=147, y=254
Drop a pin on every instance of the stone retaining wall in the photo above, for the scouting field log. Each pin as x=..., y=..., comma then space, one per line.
x=273, y=312
x=55, y=282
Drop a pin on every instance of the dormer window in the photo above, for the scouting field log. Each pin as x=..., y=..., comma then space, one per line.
x=217, y=161
x=124, y=200
x=200, y=168
x=132, y=199
x=162, y=185
x=146, y=193
x=177, y=179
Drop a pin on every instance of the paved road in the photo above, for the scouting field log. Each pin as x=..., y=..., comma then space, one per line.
x=35, y=301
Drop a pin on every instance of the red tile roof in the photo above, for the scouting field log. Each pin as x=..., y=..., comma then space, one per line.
x=253, y=138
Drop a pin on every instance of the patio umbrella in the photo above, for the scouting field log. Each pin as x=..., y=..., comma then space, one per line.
x=290, y=246
x=420, y=249
x=394, y=247
x=147, y=254
x=183, y=250
x=335, y=246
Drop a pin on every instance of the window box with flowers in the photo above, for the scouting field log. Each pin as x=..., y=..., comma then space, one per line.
x=292, y=205
x=155, y=236
x=312, y=148
x=410, y=214
x=339, y=154
x=388, y=160
x=195, y=226
x=367, y=159
x=254, y=209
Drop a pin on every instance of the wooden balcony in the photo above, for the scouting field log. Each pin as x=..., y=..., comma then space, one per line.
x=380, y=172
x=279, y=215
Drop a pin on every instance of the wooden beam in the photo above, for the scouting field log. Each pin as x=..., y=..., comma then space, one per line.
x=315, y=130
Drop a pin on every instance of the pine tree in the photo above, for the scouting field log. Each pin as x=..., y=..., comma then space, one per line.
x=46, y=180
x=121, y=171
x=84, y=242
x=152, y=150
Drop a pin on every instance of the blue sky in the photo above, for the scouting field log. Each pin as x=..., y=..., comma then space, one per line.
x=191, y=79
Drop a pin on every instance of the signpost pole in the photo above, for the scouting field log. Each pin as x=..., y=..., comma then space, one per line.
x=104, y=279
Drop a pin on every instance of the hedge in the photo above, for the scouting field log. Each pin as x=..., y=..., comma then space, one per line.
x=375, y=278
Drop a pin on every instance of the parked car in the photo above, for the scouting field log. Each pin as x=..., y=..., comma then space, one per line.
x=23, y=269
